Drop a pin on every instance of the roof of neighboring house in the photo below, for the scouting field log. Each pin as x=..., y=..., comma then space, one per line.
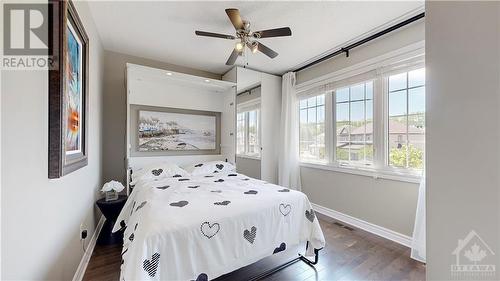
x=353, y=145
x=394, y=126
x=344, y=130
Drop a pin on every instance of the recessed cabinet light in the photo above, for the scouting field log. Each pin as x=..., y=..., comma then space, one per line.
x=206, y=80
x=169, y=73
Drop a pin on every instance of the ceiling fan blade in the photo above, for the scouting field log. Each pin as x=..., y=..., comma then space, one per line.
x=232, y=58
x=235, y=18
x=216, y=35
x=276, y=32
x=268, y=52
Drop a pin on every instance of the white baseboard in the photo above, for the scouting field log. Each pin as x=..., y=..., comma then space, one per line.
x=370, y=227
x=80, y=271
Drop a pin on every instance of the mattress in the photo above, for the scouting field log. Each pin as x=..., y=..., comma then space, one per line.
x=201, y=227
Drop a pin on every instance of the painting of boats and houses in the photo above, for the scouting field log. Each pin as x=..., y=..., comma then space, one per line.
x=163, y=131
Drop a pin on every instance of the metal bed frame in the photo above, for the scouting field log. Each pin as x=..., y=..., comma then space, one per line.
x=287, y=264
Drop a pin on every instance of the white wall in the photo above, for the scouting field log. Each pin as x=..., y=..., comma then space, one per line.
x=1, y=179
x=41, y=217
x=248, y=166
x=387, y=203
x=463, y=130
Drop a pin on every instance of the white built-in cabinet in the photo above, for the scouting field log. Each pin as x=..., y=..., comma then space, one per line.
x=148, y=86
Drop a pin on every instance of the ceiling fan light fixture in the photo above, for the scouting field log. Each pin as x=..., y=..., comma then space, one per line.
x=245, y=37
x=239, y=46
x=255, y=47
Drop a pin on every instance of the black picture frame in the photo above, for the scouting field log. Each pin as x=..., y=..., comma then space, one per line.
x=60, y=162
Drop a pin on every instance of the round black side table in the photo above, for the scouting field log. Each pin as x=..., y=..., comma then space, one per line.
x=110, y=210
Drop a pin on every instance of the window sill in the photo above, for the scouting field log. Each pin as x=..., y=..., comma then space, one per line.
x=248, y=157
x=364, y=171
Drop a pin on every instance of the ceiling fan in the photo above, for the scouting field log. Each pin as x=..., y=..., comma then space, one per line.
x=246, y=37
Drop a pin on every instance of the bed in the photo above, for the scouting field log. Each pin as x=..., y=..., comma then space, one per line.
x=199, y=226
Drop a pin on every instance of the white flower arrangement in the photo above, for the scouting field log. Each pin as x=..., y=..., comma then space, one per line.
x=111, y=189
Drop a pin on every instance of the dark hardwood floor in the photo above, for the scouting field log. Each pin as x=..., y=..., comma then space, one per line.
x=350, y=254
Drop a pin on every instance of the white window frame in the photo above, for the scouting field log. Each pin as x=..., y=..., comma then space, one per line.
x=246, y=108
x=380, y=76
x=327, y=129
x=333, y=124
x=385, y=149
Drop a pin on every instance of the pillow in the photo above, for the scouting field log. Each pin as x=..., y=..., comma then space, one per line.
x=211, y=167
x=158, y=171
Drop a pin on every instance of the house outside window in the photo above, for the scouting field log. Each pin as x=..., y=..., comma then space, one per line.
x=354, y=126
x=376, y=125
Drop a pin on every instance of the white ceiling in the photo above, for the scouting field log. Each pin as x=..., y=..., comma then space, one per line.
x=164, y=31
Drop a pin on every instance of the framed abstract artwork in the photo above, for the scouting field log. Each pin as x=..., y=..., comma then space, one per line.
x=68, y=90
x=174, y=131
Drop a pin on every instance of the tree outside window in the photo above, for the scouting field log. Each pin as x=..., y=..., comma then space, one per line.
x=406, y=133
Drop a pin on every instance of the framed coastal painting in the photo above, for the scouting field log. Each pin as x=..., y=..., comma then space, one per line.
x=174, y=131
x=68, y=90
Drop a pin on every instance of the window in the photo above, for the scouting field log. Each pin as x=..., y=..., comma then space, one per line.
x=240, y=133
x=374, y=125
x=312, y=128
x=354, y=124
x=406, y=128
x=247, y=133
x=253, y=133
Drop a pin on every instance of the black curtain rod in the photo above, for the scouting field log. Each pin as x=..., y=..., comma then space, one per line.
x=248, y=90
x=345, y=50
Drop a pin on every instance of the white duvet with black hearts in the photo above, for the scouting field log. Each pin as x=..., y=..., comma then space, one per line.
x=201, y=227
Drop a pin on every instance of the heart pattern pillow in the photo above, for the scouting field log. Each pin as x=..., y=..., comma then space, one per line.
x=212, y=167
x=157, y=171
